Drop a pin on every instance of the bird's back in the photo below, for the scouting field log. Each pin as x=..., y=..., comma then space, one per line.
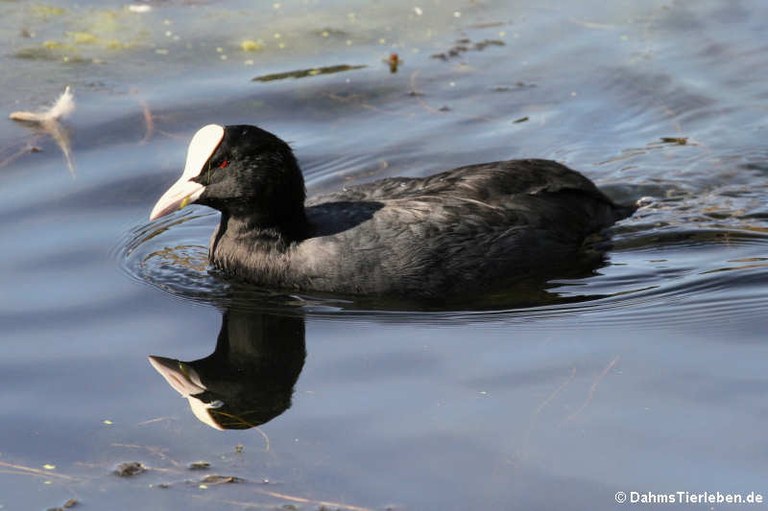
x=463, y=230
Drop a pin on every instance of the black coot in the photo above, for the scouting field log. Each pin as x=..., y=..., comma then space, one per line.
x=463, y=231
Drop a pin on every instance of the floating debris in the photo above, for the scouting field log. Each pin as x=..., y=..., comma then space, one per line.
x=394, y=62
x=252, y=45
x=488, y=24
x=199, y=465
x=47, y=473
x=486, y=43
x=129, y=469
x=518, y=86
x=47, y=121
x=329, y=32
x=62, y=108
x=26, y=148
x=464, y=45
x=46, y=11
x=675, y=140
x=217, y=479
x=139, y=8
x=82, y=37
x=67, y=505
x=302, y=73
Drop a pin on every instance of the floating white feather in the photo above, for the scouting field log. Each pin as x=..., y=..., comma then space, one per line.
x=63, y=107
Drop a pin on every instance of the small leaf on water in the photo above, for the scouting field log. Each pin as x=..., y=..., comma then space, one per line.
x=675, y=140
x=199, y=465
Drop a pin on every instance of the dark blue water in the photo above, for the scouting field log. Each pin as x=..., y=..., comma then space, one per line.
x=645, y=374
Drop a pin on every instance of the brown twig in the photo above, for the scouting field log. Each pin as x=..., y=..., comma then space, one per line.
x=29, y=147
x=302, y=500
x=355, y=100
x=267, y=444
x=244, y=505
x=149, y=121
x=419, y=98
x=593, y=388
x=553, y=395
x=158, y=452
x=289, y=498
x=535, y=415
x=12, y=468
x=418, y=95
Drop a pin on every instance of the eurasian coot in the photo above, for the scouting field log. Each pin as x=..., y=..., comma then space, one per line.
x=462, y=231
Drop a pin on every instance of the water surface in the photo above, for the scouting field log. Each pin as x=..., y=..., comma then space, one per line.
x=642, y=374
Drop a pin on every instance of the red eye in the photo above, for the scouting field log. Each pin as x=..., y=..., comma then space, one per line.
x=223, y=164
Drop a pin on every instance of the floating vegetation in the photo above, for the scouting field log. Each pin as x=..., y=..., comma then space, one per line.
x=663, y=143
x=215, y=479
x=464, y=45
x=45, y=473
x=129, y=469
x=67, y=505
x=174, y=469
x=332, y=33
x=82, y=37
x=487, y=42
x=252, y=45
x=303, y=73
x=675, y=140
x=87, y=34
x=46, y=11
x=42, y=52
x=520, y=85
x=187, y=256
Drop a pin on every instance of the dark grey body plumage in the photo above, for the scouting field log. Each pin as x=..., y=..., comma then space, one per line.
x=463, y=231
x=469, y=230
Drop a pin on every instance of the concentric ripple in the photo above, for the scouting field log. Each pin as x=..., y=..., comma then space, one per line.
x=708, y=274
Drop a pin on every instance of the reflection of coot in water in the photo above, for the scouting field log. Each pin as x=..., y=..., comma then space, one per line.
x=460, y=232
x=249, y=378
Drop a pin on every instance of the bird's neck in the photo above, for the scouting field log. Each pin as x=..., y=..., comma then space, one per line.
x=262, y=230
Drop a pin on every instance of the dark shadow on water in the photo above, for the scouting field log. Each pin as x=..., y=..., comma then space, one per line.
x=249, y=378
